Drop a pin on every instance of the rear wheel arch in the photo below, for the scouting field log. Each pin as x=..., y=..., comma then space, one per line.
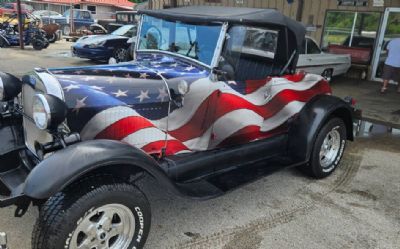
x=304, y=129
x=345, y=115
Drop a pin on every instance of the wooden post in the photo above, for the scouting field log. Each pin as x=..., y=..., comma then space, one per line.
x=20, y=25
x=174, y=3
x=300, y=8
x=71, y=19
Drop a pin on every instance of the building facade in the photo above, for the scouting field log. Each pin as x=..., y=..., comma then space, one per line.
x=100, y=9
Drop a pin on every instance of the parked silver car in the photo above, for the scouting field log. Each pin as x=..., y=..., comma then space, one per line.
x=313, y=60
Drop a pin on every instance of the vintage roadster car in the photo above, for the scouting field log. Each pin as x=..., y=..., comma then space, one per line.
x=200, y=109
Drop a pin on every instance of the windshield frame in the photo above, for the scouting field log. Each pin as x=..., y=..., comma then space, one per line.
x=217, y=51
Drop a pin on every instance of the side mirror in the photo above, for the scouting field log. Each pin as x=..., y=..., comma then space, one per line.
x=225, y=73
x=131, y=40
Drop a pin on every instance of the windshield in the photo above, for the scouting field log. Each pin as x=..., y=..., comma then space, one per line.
x=67, y=13
x=126, y=30
x=197, y=41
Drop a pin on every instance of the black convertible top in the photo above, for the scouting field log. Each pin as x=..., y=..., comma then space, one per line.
x=291, y=33
x=251, y=16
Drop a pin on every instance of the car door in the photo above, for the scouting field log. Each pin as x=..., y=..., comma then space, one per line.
x=246, y=107
x=313, y=60
x=82, y=20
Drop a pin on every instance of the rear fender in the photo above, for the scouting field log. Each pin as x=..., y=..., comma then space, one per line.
x=315, y=113
x=65, y=166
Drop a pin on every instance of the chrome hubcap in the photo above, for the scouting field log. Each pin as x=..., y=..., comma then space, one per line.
x=111, y=226
x=330, y=149
x=120, y=55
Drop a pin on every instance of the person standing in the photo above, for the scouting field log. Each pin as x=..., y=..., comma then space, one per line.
x=391, y=69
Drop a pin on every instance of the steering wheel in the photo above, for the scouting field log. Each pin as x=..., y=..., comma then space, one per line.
x=151, y=37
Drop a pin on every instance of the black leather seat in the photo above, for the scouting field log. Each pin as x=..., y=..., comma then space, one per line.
x=254, y=68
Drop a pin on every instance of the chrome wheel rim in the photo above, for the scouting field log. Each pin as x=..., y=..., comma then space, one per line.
x=329, y=149
x=111, y=226
x=120, y=55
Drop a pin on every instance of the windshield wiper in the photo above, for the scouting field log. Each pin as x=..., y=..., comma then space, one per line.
x=193, y=45
x=288, y=63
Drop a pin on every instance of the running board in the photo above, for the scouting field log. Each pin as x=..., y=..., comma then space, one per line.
x=222, y=182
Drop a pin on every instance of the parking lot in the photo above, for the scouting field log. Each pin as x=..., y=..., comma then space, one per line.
x=357, y=207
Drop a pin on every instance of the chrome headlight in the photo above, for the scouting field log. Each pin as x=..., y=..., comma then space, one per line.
x=10, y=86
x=41, y=112
x=48, y=111
x=1, y=89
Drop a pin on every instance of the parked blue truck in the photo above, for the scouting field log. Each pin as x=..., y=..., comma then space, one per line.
x=82, y=20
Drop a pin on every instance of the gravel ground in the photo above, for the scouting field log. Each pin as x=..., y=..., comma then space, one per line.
x=356, y=207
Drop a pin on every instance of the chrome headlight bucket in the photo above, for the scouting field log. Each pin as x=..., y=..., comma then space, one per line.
x=48, y=111
x=10, y=86
x=1, y=89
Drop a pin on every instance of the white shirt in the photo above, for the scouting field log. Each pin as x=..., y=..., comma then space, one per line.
x=393, y=58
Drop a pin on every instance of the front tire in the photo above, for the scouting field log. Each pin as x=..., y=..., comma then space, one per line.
x=94, y=213
x=328, y=149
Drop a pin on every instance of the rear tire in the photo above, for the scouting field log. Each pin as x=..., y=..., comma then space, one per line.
x=97, y=212
x=38, y=44
x=328, y=149
x=52, y=38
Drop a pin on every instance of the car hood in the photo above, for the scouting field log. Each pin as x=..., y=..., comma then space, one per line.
x=139, y=84
x=90, y=39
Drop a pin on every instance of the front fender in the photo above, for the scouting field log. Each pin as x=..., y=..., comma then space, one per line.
x=67, y=165
x=315, y=113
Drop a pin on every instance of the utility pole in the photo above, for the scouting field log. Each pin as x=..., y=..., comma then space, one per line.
x=174, y=3
x=300, y=8
x=20, y=25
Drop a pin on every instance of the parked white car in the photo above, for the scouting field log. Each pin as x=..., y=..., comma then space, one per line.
x=313, y=60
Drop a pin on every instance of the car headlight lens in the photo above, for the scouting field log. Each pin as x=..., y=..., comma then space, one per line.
x=41, y=112
x=48, y=111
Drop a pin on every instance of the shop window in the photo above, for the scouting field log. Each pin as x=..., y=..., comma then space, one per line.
x=92, y=9
x=350, y=28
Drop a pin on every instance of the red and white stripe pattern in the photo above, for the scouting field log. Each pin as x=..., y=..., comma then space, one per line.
x=237, y=118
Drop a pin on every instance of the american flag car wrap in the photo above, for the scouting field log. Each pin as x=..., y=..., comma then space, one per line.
x=130, y=102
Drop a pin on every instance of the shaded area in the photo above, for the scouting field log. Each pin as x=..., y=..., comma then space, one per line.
x=376, y=107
